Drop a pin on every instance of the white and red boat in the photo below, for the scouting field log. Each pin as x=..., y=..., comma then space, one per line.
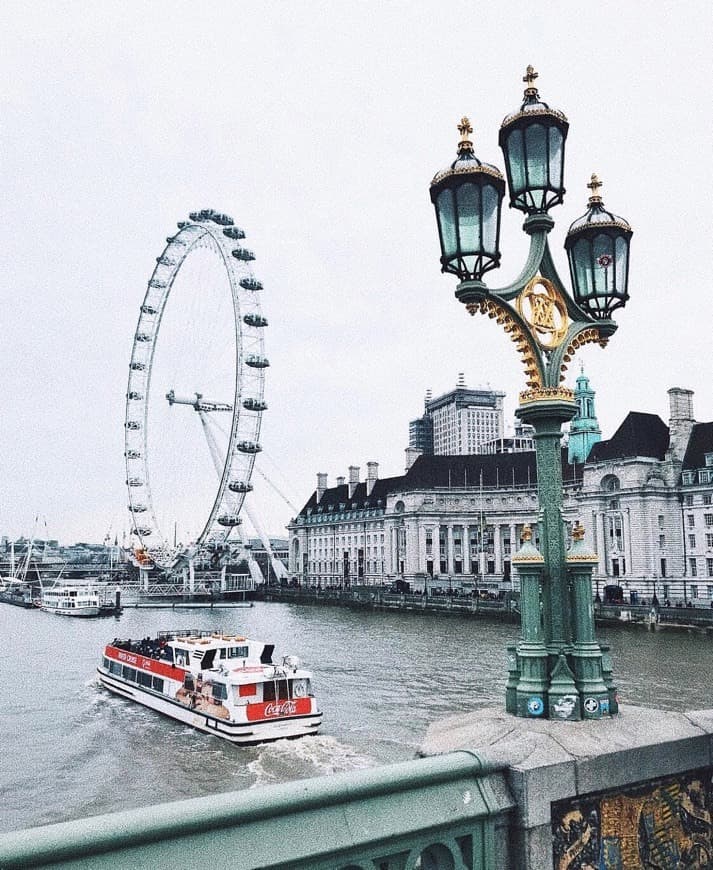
x=219, y=683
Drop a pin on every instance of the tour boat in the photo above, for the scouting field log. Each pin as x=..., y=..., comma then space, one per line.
x=70, y=600
x=219, y=683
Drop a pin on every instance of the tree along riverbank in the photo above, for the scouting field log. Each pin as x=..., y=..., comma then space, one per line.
x=505, y=609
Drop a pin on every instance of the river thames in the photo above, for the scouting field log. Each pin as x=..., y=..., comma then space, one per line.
x=70, y=749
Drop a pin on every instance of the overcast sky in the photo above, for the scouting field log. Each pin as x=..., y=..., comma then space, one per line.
x=318, y=126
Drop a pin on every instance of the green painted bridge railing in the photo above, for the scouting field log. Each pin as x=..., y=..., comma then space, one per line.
x=449, y=812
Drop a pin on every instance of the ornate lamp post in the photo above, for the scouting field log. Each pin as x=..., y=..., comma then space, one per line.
x=557, y=668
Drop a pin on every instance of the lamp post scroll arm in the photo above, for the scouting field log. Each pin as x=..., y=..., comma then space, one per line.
x=508, y=317
x=578, y=334
x=538, y=250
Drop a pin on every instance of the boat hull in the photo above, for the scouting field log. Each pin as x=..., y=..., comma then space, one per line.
x=240, y=733
x=84, y=611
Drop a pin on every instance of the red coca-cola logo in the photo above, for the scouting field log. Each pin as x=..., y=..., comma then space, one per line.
x=274, y=709
x=283, y=708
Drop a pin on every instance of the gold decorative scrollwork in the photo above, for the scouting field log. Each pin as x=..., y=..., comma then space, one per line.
x=496, y=311
x=591, y=335
x=561, y=393
x=544, y=310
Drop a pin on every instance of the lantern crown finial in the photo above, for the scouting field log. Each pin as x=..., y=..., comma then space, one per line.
x=578, y=531
x=465, y=146
x=526, y=534
x=529, y=79
x=594, y=185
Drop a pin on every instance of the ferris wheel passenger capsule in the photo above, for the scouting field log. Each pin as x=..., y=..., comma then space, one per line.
x=144, y=531
x=138, y=367
x=143, y=336
x=256, y=361
x=250, y=284
x=148, y=309
x=255, y=320
x=223, y=220
x=248, y=447
x=243, y=254
x=234, y=233
x=137, y=508
x=254, y=405
x=229, y=520
x=240, y=486
x=132, y=424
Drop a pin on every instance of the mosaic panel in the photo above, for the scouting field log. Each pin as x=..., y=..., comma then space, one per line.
x=660, y=825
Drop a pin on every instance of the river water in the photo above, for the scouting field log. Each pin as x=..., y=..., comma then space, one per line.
x=69, y=749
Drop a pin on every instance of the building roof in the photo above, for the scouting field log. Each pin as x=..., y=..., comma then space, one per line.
x=639, y=435
x=442, y=472
x=497, y=469
x=462, y=397
x=700, y=443
x=335, y=496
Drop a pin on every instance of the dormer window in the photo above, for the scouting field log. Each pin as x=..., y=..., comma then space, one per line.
x=687, y=477
x=709, y=460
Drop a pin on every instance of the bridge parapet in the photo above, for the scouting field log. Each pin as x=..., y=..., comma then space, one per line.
x=449, y=811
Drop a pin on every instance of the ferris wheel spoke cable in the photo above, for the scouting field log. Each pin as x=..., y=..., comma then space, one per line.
x=264, y=476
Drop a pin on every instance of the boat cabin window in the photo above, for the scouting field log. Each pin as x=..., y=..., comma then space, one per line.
x=180, y=656
x=220, y=691
x=275, y=690
x=234, y=652
x=208, y=658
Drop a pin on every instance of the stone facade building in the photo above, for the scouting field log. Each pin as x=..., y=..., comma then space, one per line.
x=644, y=496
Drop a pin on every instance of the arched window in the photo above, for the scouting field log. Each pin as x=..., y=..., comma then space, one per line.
x=610, y=483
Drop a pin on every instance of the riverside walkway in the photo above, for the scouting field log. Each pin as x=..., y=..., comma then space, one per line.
x=504, y=609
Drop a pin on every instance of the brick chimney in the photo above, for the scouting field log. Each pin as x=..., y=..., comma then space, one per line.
x=321, y=485
x=372, y=475
x=412, y=454
x=340, y=481
x=353, y=479
x=680, y=421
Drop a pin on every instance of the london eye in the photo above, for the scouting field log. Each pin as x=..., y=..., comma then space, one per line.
x=195, y=393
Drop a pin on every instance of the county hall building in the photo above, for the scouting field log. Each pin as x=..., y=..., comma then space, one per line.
x=453, y=521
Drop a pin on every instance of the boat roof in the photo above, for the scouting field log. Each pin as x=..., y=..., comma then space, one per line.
x=200, y=638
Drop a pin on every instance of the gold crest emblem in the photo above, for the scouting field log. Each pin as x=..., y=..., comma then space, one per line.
x=544, y=311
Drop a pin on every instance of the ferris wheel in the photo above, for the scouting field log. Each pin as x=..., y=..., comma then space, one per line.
x=195, y=392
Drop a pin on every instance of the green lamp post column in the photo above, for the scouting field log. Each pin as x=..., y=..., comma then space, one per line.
x=530, y=689
x=548, y=325
x=586, y=652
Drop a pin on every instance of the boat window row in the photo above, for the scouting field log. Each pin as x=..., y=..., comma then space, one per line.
x=234, y=652
x=133, y=675
x=285, y=690
x=219, y=691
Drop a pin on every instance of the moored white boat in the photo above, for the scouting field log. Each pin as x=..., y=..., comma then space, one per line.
x=219, y=683
x=71, y=600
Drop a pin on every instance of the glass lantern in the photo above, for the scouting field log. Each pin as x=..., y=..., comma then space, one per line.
x=532, y=140
x=597, y=246
x=468, y=199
